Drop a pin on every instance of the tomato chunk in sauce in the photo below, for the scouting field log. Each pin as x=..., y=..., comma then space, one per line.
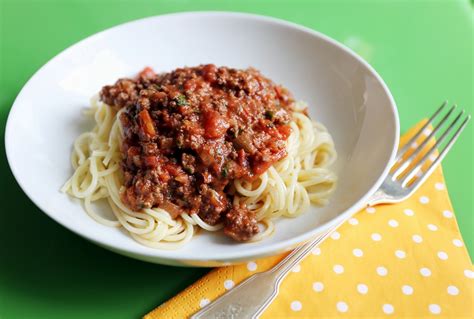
x=190, y=132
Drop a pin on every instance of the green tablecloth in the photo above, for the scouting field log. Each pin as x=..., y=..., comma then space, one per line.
x=422, y=49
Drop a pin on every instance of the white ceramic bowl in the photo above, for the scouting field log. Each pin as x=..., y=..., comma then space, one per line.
x=343, y=92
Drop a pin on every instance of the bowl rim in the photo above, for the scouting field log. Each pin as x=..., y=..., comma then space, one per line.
x=161, y=256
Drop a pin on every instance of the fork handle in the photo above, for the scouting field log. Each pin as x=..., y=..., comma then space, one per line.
x=252, y=296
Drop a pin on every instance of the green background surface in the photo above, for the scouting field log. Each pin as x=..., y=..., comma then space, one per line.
x=422, y=49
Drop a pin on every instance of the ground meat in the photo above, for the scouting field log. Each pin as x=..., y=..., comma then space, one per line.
x=123, y=93
x=240, y=223
x=189, y=133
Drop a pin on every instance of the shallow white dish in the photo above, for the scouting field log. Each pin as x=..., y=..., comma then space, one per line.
x=342, y=90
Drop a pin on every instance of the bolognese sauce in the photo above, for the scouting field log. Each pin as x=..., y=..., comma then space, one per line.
x=190, y=132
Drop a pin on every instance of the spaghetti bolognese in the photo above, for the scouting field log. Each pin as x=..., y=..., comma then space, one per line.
x=200, y=148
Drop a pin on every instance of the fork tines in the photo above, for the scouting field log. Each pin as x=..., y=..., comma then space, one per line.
x=408, y=168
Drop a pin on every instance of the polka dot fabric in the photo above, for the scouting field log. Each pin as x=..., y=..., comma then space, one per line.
x=404, y=260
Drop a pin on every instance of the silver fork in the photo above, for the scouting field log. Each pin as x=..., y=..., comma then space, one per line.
x=251, y=297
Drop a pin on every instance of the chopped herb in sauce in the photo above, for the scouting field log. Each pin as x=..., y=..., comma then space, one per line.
x=269, y=115
x=181, y=100
x=225, y=172
x=188, y=169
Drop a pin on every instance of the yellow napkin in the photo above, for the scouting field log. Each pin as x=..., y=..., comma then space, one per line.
x=400, y=260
